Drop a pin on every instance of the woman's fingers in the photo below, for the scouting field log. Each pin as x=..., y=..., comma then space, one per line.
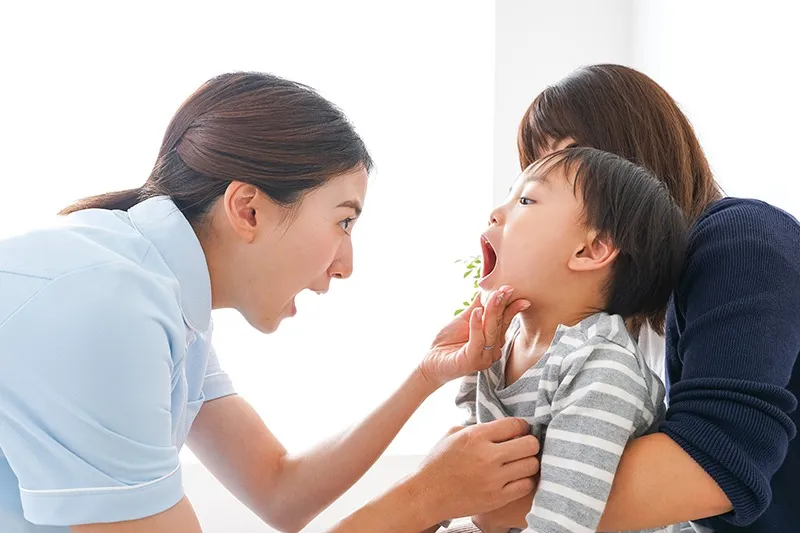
x=494, y=327
x=476, y=304
x=504, y=430
x=519, y=488
x=521, y=468
x=515, y=307
x=519, y=448
x=470, y=460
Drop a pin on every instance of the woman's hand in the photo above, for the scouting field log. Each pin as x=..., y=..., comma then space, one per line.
x=473, y=340
x=510, y=516
x=479, y=469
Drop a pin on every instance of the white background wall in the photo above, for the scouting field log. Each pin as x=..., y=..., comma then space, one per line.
x=437, y=89
x=732, y=66
x=538, y=43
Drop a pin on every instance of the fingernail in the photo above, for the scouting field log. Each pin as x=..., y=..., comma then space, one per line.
x=525, y=306
x=499, y=297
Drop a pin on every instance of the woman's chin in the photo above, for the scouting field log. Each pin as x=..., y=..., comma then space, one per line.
x=269, y=323
x=264, y=324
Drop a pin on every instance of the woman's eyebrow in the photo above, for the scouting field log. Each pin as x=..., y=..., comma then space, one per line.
x=355, y=205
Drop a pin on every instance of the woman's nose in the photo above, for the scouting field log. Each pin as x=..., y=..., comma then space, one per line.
x=342, y=266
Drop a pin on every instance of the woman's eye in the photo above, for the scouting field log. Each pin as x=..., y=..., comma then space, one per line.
x=346, y=224
x=526, y=201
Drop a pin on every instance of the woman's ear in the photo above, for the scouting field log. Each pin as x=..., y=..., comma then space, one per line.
x=595, y=253
x=248, y=210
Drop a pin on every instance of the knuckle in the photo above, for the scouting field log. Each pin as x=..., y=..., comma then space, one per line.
x=527, y=485
x=531, y=442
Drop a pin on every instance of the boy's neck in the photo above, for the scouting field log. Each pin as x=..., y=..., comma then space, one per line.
x=538, y=325
x=537, y=329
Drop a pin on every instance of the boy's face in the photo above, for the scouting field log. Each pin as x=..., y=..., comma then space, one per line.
x=533, y=236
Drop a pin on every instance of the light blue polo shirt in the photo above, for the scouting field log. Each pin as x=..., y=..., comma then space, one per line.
x=105, y=360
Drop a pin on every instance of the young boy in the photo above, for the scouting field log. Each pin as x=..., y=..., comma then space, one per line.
x=590, y=240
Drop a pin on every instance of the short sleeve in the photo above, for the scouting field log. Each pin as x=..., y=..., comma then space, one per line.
x=467, y=398
x=217, y=384
x=85, y=398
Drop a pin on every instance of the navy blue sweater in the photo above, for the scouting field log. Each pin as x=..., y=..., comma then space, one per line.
x=733, y=338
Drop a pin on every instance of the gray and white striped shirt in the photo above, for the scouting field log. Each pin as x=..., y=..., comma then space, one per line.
x=588, y=395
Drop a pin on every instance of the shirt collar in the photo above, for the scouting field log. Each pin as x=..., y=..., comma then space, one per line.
x=163, y=224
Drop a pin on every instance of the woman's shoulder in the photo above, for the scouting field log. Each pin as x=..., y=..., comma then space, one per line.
x=741, y=245
x=117, y=294
x=741, y=217
x=747, y=229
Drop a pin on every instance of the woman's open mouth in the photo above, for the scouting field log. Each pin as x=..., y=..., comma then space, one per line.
x=489, y=258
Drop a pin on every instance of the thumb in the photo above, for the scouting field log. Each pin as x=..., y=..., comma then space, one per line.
x=453, y=430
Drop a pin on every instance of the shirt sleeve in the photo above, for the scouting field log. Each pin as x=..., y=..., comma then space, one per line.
x=85, y=398
x=596, y=408
x=467, y=398
x=738, y=307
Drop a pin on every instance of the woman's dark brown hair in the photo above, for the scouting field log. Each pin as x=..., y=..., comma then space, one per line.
x=620, y=110
x=277, y=135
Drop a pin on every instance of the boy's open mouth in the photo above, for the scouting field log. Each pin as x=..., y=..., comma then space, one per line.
x=489, y=257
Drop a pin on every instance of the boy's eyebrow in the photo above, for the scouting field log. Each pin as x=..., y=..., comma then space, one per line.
x=355, y=205
x=538, y=177
x=529, y=177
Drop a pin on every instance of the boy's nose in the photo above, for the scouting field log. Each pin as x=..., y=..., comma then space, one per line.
x=495, y=217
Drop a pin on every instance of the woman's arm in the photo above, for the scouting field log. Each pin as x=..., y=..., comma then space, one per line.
x=178, y=519
x=735, y=336
x=472, y=471
x=658, y=483
x=287, y=490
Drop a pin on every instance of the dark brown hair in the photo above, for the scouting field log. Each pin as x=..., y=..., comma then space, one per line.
x=275, y=134
x=630, y=206
x=621, y=110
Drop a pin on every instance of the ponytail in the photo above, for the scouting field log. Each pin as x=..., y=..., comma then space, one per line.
x=121, y=200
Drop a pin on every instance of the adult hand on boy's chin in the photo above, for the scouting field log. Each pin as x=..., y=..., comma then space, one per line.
x=473, y=340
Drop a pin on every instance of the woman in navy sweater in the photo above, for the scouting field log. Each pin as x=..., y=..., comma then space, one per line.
x=732, y=329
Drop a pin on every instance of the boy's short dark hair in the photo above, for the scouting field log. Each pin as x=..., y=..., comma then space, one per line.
x=631, y=206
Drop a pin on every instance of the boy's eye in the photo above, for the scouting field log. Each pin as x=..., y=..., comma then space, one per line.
x=346, y=224
x=526, y=201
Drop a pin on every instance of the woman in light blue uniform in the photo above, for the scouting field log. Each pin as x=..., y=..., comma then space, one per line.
x=106, y=362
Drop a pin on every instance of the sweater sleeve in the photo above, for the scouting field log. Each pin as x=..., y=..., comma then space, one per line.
x=738, y=311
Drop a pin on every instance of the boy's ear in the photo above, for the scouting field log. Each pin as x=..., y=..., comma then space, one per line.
x=595, y=253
